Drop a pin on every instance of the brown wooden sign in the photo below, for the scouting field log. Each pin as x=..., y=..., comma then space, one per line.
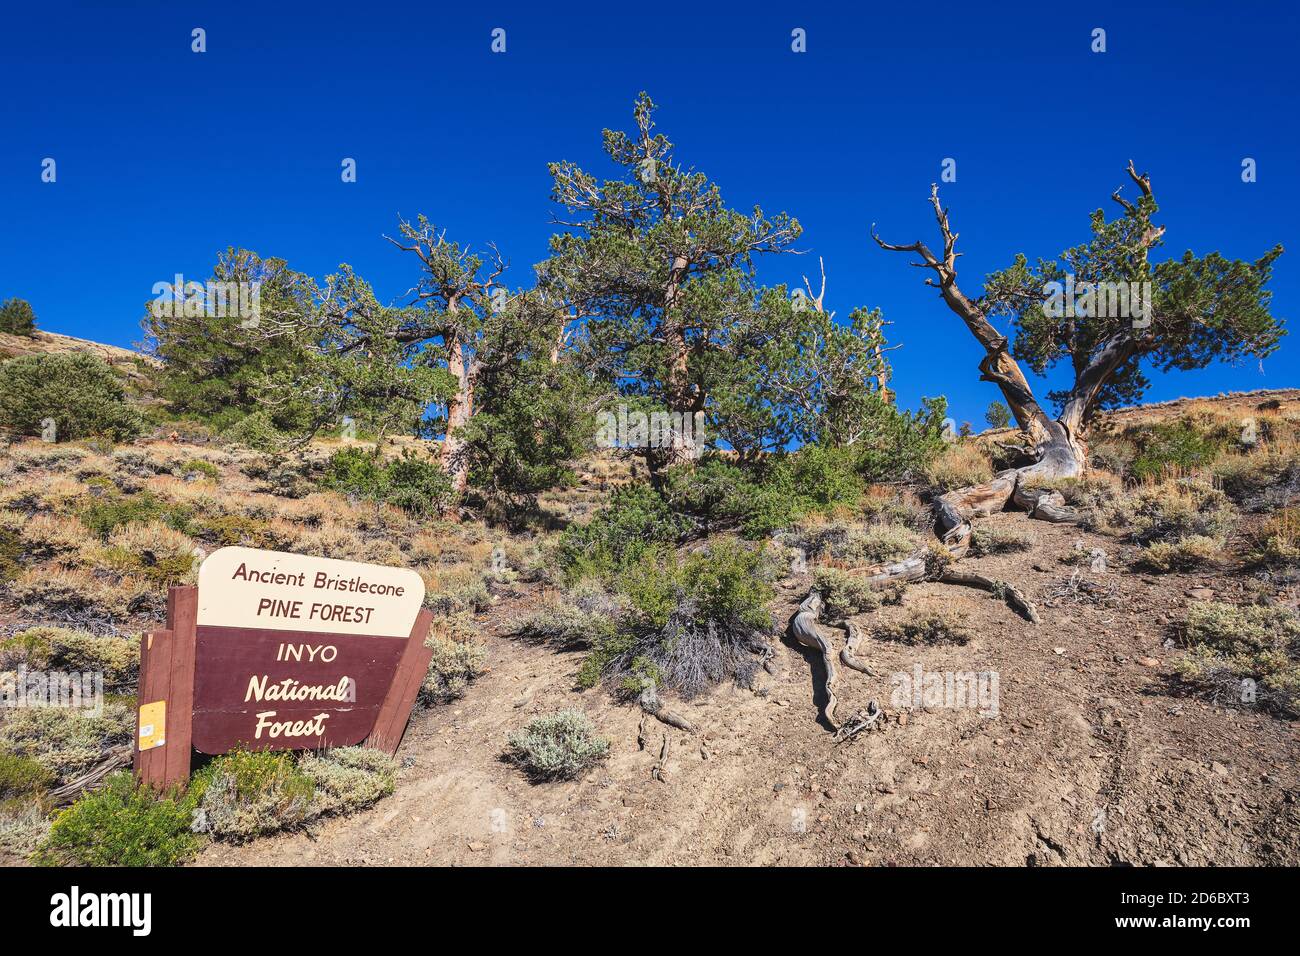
x=280, y=651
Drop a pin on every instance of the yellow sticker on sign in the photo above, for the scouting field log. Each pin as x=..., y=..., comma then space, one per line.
x=153, y=725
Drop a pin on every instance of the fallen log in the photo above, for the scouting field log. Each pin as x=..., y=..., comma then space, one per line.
x=113, y=760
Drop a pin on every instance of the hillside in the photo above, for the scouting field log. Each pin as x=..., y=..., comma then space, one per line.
x=1102, y=750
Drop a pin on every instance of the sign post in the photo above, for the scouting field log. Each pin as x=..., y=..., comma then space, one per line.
x=276, y=651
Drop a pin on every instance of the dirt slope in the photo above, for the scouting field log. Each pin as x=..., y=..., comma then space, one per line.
x=1092, y=759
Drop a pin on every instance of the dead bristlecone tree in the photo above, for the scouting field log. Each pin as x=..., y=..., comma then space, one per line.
x=1106, y=309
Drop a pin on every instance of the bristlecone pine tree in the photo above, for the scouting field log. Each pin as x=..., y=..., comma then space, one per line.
x=1198, y=309
x=662, y=271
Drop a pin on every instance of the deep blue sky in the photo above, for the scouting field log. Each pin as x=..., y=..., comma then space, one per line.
x=166, y=156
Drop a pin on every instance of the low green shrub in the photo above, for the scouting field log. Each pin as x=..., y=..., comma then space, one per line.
x=23, y=777
x=413, y=483
x=1173, y=448
x=79, y=393
x=120, y=824
x=106, y=514
x=690, y=623
x=201, y=467
x=243, y=795
x=557, y=746
x=453, y=665
x=257, y=431
x=637, y=522
x=844, y=595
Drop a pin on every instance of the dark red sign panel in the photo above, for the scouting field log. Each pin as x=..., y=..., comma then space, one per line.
x=288, y=690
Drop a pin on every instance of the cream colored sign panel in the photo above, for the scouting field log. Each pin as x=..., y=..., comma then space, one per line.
x=247, y=587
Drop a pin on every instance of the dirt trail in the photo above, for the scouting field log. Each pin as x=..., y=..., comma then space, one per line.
x=1091, y=759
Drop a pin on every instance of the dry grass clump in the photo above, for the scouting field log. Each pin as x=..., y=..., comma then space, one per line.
x=844, y=595
x=1170, y=510
x=1248, y=654
x=926, y=627
x=152, y=551
x=332, y=540
x=62, y=592
x=885, y=504
x=842, y=543
x=46, y=456
x=999, y=539
x=1264, y=480
x=348, y=779
x=196, y=497
x=453, y=589
x=959, y=465
x=566, y=624
x=1275, y=541
x=67, y=742
x=49, y=535
x=55, y=493
x=23, y=825
x=1188, y=553
x=117, y=657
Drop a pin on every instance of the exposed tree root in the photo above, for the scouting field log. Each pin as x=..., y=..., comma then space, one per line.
x=659, y=771
x=868, y=719
x=953, y=514
x=651, y=704
x=848, y=656
x=1015, y=599
x=804, y=629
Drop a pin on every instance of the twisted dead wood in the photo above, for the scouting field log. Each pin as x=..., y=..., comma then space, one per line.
x=848, y=656
x=804, y=628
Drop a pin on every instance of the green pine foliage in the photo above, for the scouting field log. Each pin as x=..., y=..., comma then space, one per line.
x=76, y=393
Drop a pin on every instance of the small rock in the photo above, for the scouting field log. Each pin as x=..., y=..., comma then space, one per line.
x=477, y=847
x=1201, y=594
x=1219, y=768
x=1149, y=661
x=1058, y=650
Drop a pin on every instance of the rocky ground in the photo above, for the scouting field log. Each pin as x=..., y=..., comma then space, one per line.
x=1094, y=756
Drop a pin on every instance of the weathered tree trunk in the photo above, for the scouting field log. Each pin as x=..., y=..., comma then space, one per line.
x=681, y=397
x=459, y=409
